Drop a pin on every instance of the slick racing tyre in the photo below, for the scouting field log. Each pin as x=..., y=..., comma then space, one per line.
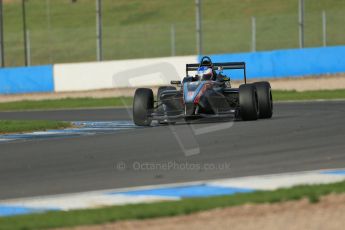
x=263, y=90
x=142, y=106
x=248, y=100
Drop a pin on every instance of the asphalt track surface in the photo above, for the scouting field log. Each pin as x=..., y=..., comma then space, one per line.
x=300, y=136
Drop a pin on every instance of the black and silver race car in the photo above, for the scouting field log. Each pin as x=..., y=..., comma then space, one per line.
x=207, y=94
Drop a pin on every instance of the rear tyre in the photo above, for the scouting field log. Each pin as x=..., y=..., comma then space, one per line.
x=248, y=100
x=263, y=90
x=142, y=106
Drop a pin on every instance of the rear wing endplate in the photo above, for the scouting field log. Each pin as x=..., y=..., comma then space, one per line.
x=223, y=65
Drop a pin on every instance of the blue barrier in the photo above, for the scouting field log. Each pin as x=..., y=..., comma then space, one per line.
x=267, y=64
x=26, y=79
x=288, y=63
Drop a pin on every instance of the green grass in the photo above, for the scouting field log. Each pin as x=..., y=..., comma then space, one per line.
x=308, y=95
x=74, y=103
x=68, y=103
x=65, y=31
x=162, y=209
x=14, y=126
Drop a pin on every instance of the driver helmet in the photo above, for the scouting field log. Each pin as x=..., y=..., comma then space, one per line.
x=205, y=73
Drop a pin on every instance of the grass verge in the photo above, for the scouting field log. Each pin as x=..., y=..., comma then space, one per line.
x=280, y=95
x=163, y=209
x=73, y=103
x=14, y=126
x=67, y=103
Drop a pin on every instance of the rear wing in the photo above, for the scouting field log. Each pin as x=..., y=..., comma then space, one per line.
x=224, y=65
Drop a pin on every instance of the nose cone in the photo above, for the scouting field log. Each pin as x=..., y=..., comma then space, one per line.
x=190, y=91
x=189, y=109
x=189, y=97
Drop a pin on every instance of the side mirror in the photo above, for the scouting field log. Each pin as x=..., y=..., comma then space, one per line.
x=175, y=82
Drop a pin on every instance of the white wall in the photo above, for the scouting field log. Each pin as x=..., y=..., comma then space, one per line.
x=123, y=73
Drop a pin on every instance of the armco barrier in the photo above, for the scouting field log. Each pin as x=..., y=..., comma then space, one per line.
x=288, y=63
x=26, y=80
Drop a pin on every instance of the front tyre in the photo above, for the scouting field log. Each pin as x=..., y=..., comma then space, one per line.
x=142, y=106
x=263, y=90
x=248, y=101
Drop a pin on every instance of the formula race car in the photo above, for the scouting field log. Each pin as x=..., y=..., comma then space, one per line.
x=207, y=94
